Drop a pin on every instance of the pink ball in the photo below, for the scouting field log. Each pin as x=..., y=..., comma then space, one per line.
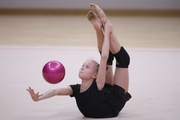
x=53, y=72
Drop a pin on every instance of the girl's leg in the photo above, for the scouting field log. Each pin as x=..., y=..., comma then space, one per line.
x=95, y=21
x=121, y=76
x=103, y=18
x=92, y=17
x=100, y=13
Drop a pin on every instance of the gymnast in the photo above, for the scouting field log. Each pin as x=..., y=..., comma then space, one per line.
x=102, y=93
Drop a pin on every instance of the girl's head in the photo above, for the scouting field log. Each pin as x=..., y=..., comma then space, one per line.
x=89, y=70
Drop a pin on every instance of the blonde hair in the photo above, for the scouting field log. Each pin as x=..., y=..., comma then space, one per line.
x=97, y=65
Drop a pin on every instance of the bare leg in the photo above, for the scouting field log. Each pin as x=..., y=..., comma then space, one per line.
x=100, y=13
x=95, y=21
x=121, y=76
x=92, y=17
x=103, y=18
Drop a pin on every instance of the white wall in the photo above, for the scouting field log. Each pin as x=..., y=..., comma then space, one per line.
x=84, y=4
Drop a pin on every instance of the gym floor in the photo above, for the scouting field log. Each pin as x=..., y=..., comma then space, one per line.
x=27, y=42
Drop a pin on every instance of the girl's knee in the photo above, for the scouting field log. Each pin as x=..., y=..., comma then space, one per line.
x=122, y=58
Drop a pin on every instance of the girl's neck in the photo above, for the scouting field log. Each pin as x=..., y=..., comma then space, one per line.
x=85, y=84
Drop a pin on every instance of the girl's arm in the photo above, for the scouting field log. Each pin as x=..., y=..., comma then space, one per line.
x=60, y=91
x=104, y=56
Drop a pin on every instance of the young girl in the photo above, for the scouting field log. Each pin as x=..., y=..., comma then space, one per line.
x=100, y=94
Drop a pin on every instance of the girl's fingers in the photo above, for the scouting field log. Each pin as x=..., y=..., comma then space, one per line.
x=29, y=88
x=31, y=91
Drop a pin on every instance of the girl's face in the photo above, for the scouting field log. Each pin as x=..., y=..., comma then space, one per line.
x=88, y=70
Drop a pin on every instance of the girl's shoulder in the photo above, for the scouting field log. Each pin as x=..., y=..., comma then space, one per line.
x=76, y=89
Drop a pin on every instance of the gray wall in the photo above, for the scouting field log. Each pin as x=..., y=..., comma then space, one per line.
x=84, y=4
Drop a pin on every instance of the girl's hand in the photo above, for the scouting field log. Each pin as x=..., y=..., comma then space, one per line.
x=108, y=28
x=35, y=97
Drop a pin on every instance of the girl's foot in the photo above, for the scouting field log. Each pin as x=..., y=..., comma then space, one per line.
x=92, y=17
x=100, y=13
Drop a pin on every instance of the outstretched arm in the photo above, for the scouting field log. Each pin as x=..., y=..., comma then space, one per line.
x=51, y=93
x=101, y=77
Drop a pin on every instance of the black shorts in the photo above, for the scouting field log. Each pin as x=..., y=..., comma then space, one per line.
x=115, y=96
